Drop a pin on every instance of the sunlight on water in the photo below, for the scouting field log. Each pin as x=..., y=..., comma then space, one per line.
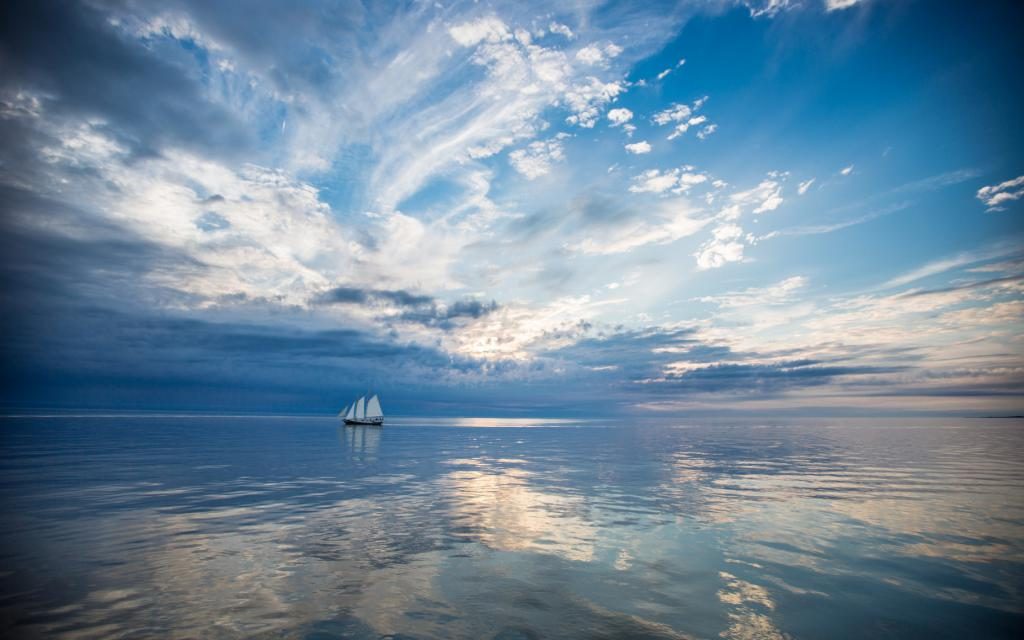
x=240, y=527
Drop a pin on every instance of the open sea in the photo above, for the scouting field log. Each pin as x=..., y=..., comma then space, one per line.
x=272, y=527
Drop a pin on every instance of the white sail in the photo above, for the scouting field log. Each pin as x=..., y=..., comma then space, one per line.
x=359, y=409
x=373, y=408
x=351, y=412
x=341, y=414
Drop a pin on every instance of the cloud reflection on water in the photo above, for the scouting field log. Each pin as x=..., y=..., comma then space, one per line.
x=650, y=531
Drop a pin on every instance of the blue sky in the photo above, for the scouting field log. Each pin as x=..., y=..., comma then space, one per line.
x=781, y=207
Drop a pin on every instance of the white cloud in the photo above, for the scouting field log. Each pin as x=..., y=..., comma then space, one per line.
x=676, y=113
x=946, y=264
x=767, y=195
x=663, y=74
x=522, y=80
x=586, y=99
x=596, y=55
x=778, y=293
x=489, y=29
x=590, y=55
x=683, y=117
x=846, y=170
x=994, y=196
x=619, y=116
x=707, y=131
x=723, y=247
x=677, y=180
x=767, y=8
x=555, y=27
x=834, y=5
x=639, y=148
x=804, y=186
x=672, y=221
x=535, y=160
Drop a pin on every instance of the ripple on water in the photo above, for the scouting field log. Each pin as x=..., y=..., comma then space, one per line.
x=236, y=528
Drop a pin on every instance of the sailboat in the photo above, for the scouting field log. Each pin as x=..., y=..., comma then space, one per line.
x=363, y=411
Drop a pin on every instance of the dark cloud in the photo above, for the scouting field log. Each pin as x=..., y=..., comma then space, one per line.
x=418, y=308
x=356, y=295
x=76, y=61
x=629, y=358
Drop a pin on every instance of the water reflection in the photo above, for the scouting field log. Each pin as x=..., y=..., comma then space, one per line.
x=360, y=443
x=237, y=528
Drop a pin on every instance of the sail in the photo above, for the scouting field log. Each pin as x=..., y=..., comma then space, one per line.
x=341, y=414
x=373, y=408
x=359, y=409
x=351, y=412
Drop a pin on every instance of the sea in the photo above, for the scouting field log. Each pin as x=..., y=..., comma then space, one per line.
x=128, y=526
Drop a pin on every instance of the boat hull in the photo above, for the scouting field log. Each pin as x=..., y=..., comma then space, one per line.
x=367, y=422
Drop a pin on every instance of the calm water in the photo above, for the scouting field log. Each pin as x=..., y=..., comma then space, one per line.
x=287, y=527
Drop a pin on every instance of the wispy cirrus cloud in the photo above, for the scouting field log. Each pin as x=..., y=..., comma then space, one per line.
x=426, y=189
x=997, y=195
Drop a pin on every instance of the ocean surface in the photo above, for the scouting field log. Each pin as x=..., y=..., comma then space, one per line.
x=214, y=527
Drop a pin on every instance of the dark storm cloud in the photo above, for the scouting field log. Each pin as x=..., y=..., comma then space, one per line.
x=764, y=379
x=70, y=55
x=355, y=295
x=447, y=317
x=82, y=326
x=96, y=352
x=75, y=257
x=418, y=308
x=633, y=357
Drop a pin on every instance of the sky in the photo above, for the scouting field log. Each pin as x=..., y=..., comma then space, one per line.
x=716, y=207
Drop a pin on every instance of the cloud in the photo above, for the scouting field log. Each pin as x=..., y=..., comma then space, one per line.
x=767, y=196
x=957, y=261
x=561, y=29
x=596, y=55
x=639, y=148
x=619, y=116
x=678, y=180
x=723, y=247
x=100, y=75
x=489, y=29
x=845, y=171
x=585, y=99
x=707, y=131
x=662, y=229
x=310, y=197
x=590, y=55
x=535, y=160
x=682, y=116
x=836, y=5
x=928, y=184
x=779, y=293
x=804, y=186
x=356, y=295
x=995, y=196
x=767, y=8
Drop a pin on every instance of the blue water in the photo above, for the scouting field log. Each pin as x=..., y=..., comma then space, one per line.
x=297, y=527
